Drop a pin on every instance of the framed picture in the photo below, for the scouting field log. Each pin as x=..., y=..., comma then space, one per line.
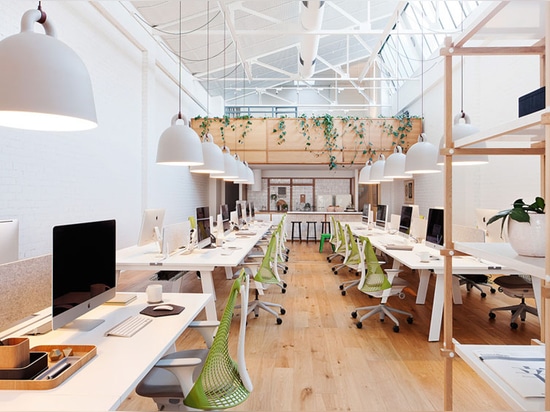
x=409, y=191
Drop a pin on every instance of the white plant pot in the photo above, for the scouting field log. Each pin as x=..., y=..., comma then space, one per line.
x=528, y=239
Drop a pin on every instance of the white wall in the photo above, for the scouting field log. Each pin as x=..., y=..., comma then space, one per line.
x=48, y=179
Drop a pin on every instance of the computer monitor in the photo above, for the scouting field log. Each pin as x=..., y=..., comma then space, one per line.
x=252, y=212
x=83, y=272
x=365, y=214
x=151, y=225
x=226, y=218
x=492, y=231
x=203, y=226
x=9, y=240
x=434, y=228
x=405, y=219
x=381, y=215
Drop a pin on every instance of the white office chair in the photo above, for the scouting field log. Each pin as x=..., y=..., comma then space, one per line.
x=517, y=286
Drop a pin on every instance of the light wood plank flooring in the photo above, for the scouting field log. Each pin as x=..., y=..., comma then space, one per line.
x=317, y=359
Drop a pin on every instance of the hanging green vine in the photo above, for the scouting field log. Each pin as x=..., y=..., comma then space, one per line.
x=281, y=130
x=404, y=127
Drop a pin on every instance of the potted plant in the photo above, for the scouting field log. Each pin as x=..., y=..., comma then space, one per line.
x=526, y=227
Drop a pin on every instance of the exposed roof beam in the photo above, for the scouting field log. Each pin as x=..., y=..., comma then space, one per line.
x=228, y=18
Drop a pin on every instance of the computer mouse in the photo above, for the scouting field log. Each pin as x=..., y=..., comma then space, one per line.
x=163, y=307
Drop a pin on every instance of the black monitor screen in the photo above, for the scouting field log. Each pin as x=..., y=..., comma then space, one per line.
x=224, y=210
x=203, y=223
x=252, y=213
x=365, y=215
x=81, y=282
x=239, y=211
x=405, y=220
x=381, y=211
x=434, y=227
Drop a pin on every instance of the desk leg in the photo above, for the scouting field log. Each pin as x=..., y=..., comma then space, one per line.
x=437, y=309
x=457, y=296
x=423, y=286
x=207, y=283
x=228, y=272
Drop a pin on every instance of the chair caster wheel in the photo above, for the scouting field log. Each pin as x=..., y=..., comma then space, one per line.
x=483, y=294
x=514, y=325
x=284, y=285
x=493, y=290
x=279, y=321
x=343, y=293
x=410, y=320
x=396, y=329
x=283, y=290
x=354, y=315
x=492, y=315
x=282, y=311
x=341, y=287
x=359, y=325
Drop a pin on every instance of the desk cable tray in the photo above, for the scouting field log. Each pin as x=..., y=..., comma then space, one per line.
x=81, y=354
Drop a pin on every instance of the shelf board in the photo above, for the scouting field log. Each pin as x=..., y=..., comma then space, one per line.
x=502, y=253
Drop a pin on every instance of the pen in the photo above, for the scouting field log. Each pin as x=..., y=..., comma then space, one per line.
x=495, y=267
x=59, y=371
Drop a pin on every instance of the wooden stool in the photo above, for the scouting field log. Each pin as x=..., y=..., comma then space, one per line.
x=294, y=223
x=314, y=237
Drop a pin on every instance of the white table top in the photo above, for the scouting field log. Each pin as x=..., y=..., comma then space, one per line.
x=105, y=381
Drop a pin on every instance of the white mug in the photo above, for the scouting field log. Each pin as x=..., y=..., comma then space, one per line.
x=424, y=256
x=154, y=293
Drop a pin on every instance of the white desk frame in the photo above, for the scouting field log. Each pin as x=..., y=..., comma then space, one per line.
x=106, y=380
x=203, y=260
x=410, y=259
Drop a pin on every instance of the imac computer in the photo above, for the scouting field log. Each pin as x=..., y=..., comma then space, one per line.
x=241, y=222
x=492, y=231
x=434, y=228
x=9, y=240
x=151, y=225
x=83, y=272
x=381, y=216
x=405, y=219
x=252, y=211
x=226, y=221
x=366, y=213
x=203, y=227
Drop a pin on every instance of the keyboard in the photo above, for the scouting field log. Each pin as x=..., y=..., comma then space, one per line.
x=129, y=326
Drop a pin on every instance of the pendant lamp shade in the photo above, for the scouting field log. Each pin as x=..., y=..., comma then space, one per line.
x=241, y=170
x=459, y=131
x=364, y=175
x=229, y=166
x=422, y=157
x=212, y=156
x=44, y=85
x=377, y=171
x=395, y=165
x=179, y=145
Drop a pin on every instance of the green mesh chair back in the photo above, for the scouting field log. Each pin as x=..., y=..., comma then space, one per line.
x=224, y=383
x=373, y=277
x=353, y=254
x=265, y=273
x=340, y=238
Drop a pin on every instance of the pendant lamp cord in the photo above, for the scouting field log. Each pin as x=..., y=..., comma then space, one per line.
x=42, y=13
x=207, y=58
x=179, y=68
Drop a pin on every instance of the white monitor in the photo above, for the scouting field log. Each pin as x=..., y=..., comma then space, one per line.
x=9, y=240
x=434, y=228
x=405, y=219
x=366, y=213
x=151, y=225
x=381, y=216
x=175, y=237
x=203, y=227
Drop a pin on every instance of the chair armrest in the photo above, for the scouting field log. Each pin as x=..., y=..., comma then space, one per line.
x=183, y=369
x=207, y=328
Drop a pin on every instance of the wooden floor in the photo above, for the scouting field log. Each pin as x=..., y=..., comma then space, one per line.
x=318, y=360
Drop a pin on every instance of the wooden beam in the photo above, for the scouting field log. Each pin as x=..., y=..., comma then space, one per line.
x=493, y=51
x=539, y=151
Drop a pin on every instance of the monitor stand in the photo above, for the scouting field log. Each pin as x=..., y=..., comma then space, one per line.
x=83, y=325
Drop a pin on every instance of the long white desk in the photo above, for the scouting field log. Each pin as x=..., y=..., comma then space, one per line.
x=106, y=380
x=411, y=259
x=230, y=255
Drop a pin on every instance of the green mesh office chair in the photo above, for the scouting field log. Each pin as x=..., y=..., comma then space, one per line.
x=378, y=283
x=204, y=379
x=264, y=273
x=341, y=248
x=336, y=240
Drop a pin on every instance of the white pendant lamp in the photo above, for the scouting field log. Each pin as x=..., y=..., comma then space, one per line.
x=395, y=165
x=44, y=85
x=179, y=145
x=241, y=170
x=229, y=166
x=377, y=171
x=422, y=157
x=459, y=131
x=364, y=175
x=212, y=156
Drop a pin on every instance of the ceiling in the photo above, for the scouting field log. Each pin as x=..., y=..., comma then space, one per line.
x=248, y=51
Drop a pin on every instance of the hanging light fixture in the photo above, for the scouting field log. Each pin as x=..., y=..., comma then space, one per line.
x=364, y=174
x=229, y=166
x=179, y=144
x=394, y=167
x=422, y=157
x=241, y=170
x=44, y=84
x=377, y=171
x=460, y=130
x=212, y=157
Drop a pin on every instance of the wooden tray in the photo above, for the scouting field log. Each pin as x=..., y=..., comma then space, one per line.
x=83, y=352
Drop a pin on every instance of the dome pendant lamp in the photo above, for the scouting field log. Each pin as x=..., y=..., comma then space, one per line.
x=395, y=165
x=422, y=157
x=364, y=175
x=44, y=84
x=377, y=171
x=212, y=156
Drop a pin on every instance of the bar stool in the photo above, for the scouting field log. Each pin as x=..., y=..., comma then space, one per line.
x=325, y=226
x=324, y=236
x=314, y=237
x=294, y=223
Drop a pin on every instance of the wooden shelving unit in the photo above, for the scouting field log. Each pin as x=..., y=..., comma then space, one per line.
x=533, y=129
